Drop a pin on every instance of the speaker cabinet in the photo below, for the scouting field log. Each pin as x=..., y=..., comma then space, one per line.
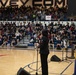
x=21, y=71
x=55, y=58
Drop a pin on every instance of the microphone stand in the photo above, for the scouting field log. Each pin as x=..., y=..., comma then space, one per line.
x=62, y=54
x=37, y=63
x=66, y=53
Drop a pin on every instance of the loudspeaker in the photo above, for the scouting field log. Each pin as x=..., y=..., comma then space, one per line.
x=21, y=71
x=55, y=58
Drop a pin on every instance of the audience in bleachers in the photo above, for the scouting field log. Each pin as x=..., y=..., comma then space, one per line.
x=33, y=13
x=10, y=34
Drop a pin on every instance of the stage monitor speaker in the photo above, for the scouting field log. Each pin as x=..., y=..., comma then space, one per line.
x=21, y=71
x=55, y=58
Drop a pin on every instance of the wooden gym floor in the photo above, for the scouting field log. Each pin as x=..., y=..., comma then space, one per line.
x=11, y=59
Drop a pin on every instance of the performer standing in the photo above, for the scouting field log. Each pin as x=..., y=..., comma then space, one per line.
x=44, y=51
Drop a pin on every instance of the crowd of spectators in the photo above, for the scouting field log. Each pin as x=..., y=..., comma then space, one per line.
x=10, y=34
x=33, y=13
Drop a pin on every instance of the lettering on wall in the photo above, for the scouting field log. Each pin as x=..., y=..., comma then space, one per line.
x=59, y=3
x=37, y=2
x=48, y=2
x=3, y=3
x=24, y=2
x=52, y=3
x=13, y=3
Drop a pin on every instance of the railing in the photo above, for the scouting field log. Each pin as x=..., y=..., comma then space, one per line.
x=18, y=23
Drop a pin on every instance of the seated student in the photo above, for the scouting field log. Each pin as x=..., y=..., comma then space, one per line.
x=14, y=42
x=9, y=40
x=65, y=43
x=5, y=39
x=1, y=40
x=58, y=43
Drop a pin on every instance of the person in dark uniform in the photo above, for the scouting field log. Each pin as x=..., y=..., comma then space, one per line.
x=44, y=51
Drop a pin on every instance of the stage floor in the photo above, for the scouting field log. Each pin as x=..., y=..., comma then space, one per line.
x=12, y=59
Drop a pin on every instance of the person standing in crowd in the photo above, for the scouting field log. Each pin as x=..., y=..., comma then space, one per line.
x=44, y=51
